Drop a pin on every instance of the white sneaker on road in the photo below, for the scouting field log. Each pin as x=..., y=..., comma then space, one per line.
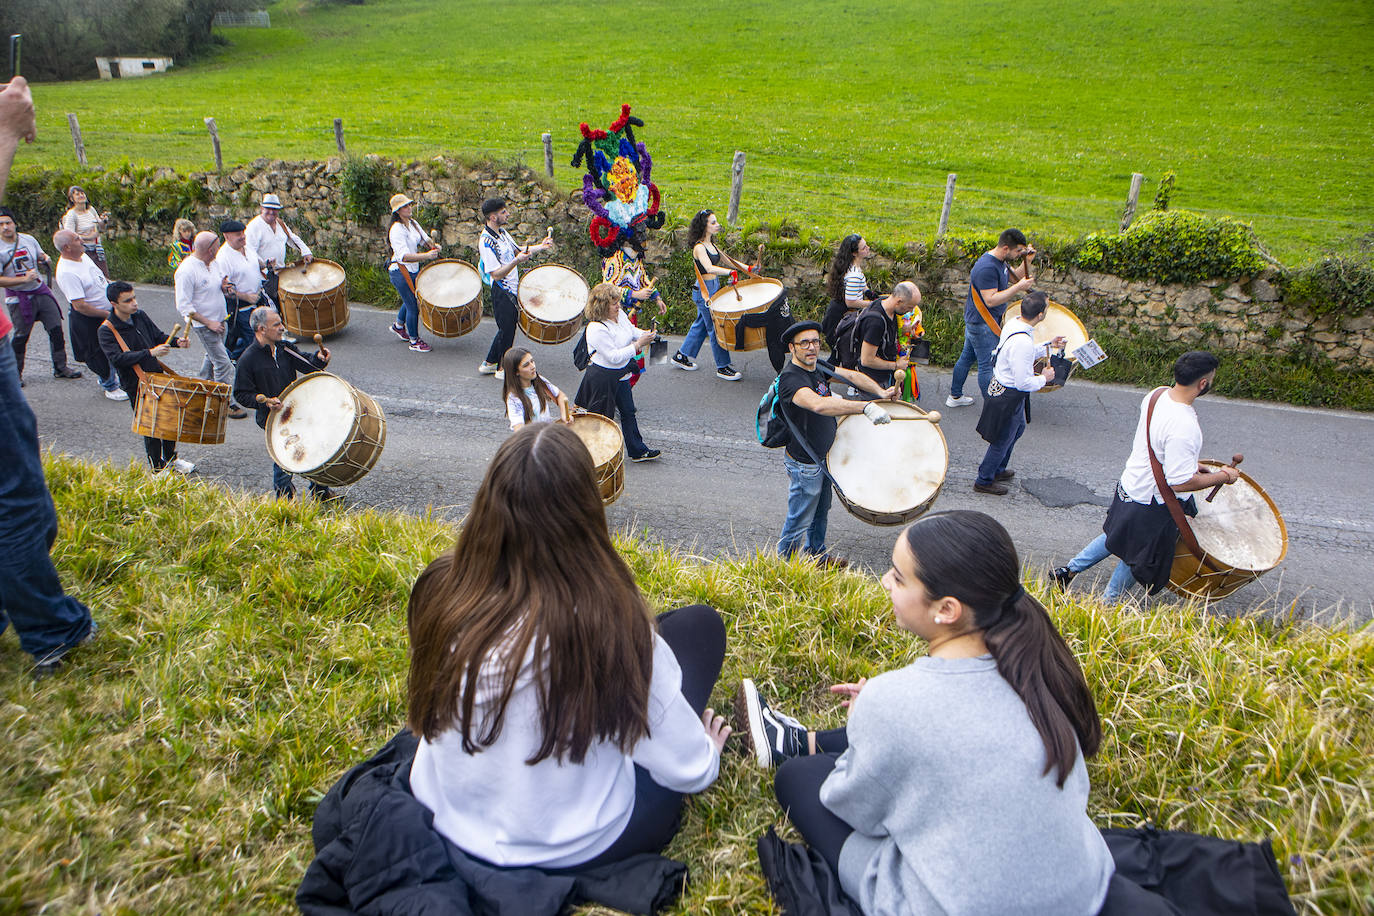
x=181, y=465
x=116, y=395
x=962, y=401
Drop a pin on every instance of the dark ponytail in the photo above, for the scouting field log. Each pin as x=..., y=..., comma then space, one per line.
x=969, y=556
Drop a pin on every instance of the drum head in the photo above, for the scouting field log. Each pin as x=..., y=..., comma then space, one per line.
x=552, y=292
x=892, y=468
x=1241, y=527
x=449, y=283
x=319, y=276
x=316, y=418
x=1058, y=322
x=755, y=294
x=601, y=436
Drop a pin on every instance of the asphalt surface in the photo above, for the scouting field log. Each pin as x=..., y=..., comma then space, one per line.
x=717, y=492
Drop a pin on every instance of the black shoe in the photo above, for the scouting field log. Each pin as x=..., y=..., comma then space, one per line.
x=682, y=362
x=650, y=455
x=728, y=374
x=1062, y=576
x=324, y=494
x=1004, y=475
x=66, y=372
x=770, y=736
x=53, y=663
x=992, y=489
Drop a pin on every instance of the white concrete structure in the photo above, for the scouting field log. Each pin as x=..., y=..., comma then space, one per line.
x=126, y=67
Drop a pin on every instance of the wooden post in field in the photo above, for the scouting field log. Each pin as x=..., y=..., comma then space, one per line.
x=76, y=140
x=949, y=202
x=548, y=154
x=736, y=186
x=338, y=136
x=214, y=138
x=1131, y=199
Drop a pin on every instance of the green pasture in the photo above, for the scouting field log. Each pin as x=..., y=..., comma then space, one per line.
x=252, y=650
x=851, y=114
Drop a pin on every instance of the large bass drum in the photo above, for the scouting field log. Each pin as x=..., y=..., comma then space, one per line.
x=729, y=304
x=326, y=430
x=889, y=474
x=449, y=293
x=1242, y=536
x=551, y=300
x=181, y=409
x=607, y=446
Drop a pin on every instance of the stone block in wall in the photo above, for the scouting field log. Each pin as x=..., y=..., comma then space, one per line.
x=1234, y=291
x=1263, y=291
x=1191, y=299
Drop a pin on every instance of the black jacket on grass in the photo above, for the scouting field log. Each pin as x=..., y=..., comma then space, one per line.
x=377, y=854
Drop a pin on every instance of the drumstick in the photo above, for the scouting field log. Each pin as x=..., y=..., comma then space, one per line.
x=172, y=336
x=186, y=331
x=262, y=399
x=319, y=340
x=899, y=377
x=759, y=260
x=1235, y=460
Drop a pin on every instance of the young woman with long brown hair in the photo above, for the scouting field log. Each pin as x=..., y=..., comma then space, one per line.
x=959, y=783
x=528, y=396
x=560, y=721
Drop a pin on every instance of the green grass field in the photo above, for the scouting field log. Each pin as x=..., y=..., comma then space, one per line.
x=850, y=114
x=252, y=651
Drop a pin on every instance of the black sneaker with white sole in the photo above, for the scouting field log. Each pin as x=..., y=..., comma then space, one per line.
x=650, y=455
x=683, y=362
x=772, y=736
x=729, y=374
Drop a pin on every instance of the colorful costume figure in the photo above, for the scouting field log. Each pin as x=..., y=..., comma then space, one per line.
x=909, y=331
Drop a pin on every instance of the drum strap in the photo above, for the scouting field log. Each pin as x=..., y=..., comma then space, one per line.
x=701, y=279
x=1166, y=493
x=806, y=446
x=138, y=370
x=983, y=310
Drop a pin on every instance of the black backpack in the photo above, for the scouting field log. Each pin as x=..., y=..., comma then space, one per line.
x=582, y=358
x=848, y=346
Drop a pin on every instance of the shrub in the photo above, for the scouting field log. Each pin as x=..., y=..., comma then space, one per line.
x=1165, y=192
x=1334, y=285
x=365, y=183
x=1175, y=246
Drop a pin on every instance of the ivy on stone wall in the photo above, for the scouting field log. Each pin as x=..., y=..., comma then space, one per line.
x=1339, y=286
x=1175, y=246
x=131, y=194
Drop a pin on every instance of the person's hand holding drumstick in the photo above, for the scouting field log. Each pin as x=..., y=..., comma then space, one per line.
x=270, y=403
x=323, y=351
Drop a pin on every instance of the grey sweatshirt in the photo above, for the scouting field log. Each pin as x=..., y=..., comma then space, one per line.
x=942, y=784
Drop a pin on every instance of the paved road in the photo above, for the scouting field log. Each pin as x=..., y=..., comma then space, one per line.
x=716, y=492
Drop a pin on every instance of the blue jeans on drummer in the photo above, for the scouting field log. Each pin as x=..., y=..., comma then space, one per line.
x=808, y=509
x=110, y=382
x=999, y=451
x=625, y=404
x=282, y=484
x=1122, y=580
x=979, y=342
x=47, y=620
x=408, y=315
x=704, y=329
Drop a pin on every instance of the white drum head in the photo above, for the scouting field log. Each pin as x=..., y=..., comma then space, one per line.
x=757, y=294
x=1239, y=527
x=553, y=293
x=1059, y=322
x=892, y=468
x=315, y=420
x=319, y=276
x=449, y=284
x=601, y=436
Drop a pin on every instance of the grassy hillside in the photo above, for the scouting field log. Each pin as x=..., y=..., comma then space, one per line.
x=252, y=651
x=851, y=114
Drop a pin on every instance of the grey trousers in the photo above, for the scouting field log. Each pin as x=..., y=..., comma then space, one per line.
x=217, y=364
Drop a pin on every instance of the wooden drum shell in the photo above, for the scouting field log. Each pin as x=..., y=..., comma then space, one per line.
x=307, y=311
x=606, y=444
x=726, y=320
x=181, y=409
x=1212, y=577
x=440, y=312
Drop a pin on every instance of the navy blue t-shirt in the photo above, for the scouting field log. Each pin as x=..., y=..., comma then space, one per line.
x=988, y=273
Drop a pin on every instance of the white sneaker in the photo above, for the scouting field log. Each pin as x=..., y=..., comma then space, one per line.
x=963, y=401
x=116, y=395
x=500, y=375
x=181, y=465
x=488, y=369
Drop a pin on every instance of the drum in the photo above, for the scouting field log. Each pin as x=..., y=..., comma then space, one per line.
x=1242, y=537
x=604, y=440
x=755, y=295
x=326, y=430
x=313, y=298
x=551, y=300
x=181, y=409
x=450, y=295
x=890, y=474
x=1059, y=322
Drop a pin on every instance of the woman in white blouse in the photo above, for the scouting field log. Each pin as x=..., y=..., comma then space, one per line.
x=613, y=342
x=529, y=397
x=406, y=240
x=85, y=221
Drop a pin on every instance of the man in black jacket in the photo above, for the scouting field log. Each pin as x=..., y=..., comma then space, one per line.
x=133, y=344
x=266, y=368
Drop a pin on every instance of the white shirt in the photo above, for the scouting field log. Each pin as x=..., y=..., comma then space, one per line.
x=240, y=267
x=495, y=806
x=497, y=249
x=613, y=343
x=82, y=280
x=515, y=411
x=1014, y=359
x=1177, y=439
x=270, y=241
x=406, y=238
x=197, y=290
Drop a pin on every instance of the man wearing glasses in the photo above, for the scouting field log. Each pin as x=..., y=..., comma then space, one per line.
x=810, y=408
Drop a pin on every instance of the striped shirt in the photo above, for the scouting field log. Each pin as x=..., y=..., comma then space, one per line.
x=855, y=283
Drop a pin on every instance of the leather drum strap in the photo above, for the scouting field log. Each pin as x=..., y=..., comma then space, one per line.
x=1185, y=530
x=138, y=370
x=983, y=310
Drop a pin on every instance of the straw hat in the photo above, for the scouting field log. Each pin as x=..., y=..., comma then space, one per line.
x=398, y=201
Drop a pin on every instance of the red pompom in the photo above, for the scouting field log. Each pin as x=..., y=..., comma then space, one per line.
x=619, y=123
x=602, y=231
x=654, y=199
x=586, y=131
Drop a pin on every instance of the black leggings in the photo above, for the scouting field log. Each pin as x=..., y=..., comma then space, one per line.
x=797, y=786
x=696, y=635
x=503, y=309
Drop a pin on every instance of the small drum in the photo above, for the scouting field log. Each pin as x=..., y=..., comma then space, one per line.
x=313, y=298
x=551, y=299
x=181, y=409
x=604, y=440
x=729, y=304
x=1059, y=322
x=450, y=295
x=1242, y=537
x=890, y=474
x=326, y=430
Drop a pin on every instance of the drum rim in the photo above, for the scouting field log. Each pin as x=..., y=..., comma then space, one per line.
x=352, y=430
x=601, y=418
x=524, y=309
x=303, y=267
x=435, y=263
x=1212, y=558
x=746, y=282
x=1068, y=311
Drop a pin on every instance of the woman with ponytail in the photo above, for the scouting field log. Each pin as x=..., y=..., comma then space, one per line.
x=959, y=783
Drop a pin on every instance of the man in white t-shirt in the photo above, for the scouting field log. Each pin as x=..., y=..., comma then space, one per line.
x=28, y=298
x=500, y=256
x=1139, y=527
x=83, y=283
x=268, y=235
x=200, y=290
x=240, y=266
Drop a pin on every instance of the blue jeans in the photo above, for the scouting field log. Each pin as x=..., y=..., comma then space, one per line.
x=239, y=337
x=408, y=315
x=1121, y=582
x=704, y=329
x=979, y=342
x=110, y=382
x=625, y=404
x=999, y=451
x=808, y=509
x=47, y=620
x=282, y=485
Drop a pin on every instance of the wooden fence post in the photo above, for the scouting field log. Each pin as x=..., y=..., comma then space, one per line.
x=76, y=140
x=338, y=136
x=1131, y=199
x=736, y=186
x=548, y=153
x=214, y=138
x=949, y=202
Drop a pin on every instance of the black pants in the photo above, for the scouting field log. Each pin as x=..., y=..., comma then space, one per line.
x=159, y=451
x=797, y=786
x=696, y=635
x=46, y=312
x=503, y=308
